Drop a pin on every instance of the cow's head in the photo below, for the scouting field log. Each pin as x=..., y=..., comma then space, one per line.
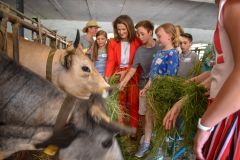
x=79, y=76
x=91, y=135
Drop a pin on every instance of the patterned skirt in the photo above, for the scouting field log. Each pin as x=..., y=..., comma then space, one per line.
x=224, y=142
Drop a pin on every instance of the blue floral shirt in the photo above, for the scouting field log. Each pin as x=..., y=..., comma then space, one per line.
x=164, y=63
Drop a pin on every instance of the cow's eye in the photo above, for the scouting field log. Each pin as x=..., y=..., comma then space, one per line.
x=85, y=69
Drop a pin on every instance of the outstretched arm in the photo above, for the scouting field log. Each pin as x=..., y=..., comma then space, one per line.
x=170, y=118
x=201, y=77
x=169, y=121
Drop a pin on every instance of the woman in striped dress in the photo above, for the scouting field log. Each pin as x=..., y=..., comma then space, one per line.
x=218, y=129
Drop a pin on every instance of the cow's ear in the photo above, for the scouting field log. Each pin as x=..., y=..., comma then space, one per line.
x=66, y=61
x=78, y=51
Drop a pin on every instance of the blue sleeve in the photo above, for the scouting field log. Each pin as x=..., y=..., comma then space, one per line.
x=173, y=63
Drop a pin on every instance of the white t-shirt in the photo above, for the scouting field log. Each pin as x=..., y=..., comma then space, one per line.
x=125, y=53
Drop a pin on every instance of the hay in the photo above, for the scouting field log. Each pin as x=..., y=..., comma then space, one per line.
x=113, y=109
x=196, y=69
x=161, y=96
x=193, y=108
x=205, y=61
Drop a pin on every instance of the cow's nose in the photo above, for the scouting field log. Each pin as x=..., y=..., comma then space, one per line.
x=112, y=88
x=109, y=90
x=105, y=93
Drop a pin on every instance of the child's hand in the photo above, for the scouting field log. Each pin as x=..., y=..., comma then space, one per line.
x=200, y=139
x=142, y=92
x=122, y=85
x=122, y=74
x=170, y=118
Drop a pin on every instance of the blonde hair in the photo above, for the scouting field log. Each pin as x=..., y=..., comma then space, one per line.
x=128, y=22
x=169, y=28
x=96, y=47
x=181, y=31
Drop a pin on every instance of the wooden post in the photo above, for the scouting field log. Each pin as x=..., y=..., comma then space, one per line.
x=39, y=35
x=32, y=32
x=15, y=28
x=53, y=41
x=3, y=27
x=3, y=34
x=64, y=45
x=57, y=41
x=44, y=38
x=20, y=8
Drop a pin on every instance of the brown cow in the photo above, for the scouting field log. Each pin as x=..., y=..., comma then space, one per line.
x=72, y=80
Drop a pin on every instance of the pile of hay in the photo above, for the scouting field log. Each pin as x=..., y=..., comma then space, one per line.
x=162, y=95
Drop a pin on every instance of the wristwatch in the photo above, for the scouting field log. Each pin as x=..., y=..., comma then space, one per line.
x=204, y=128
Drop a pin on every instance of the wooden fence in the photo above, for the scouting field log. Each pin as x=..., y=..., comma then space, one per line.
x=17, y=19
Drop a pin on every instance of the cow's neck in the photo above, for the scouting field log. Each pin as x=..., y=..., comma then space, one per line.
x=56, y=67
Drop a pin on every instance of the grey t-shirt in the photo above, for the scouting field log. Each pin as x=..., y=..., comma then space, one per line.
x=186, y=63
x=144, y=57
x=87, y=46
x=84, y=42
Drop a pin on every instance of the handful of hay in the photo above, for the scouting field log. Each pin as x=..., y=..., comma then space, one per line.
x=162, y=95
x=113, y=109
x=205, y=61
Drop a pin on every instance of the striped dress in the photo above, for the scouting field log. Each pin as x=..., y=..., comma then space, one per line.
x=224, y=142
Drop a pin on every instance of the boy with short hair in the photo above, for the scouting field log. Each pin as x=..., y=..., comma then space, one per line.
x=143, y=58
x=187, y=59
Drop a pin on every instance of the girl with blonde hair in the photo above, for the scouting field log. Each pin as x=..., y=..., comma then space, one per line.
x=164, y=63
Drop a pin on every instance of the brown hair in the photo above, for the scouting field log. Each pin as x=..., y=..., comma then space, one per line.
x=169, y=28
x=188, y=36
x=127, y=21
x=96, y=47
x=145, y=24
